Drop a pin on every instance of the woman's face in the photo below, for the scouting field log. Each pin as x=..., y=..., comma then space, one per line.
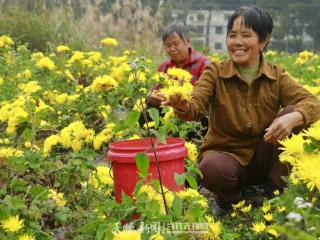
x=243, y=44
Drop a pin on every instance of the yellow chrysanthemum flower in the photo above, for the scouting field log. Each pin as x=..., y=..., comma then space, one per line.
x=281, y=209
x=46, y=63
x=276, y=192
x=103, y=175
x=293, y=145
x=180, y=74
x=102, y=83
x=26, y=237
x=12, y=224
x=266, y=207
x=271, y=53
x=6, y=152
x=194, y=196
x=141, y=77
x=238, y=205
x=246, y=209
x=133, y=137
x=62, y=48
x=49, y=142
x=149, y=124
x=76, y=56
x=127, y=235
x=95, y=56
x=104, y=136
x=157, y=196
x=27, y=144
x=30, y=87
x=313, y=131
x=157, y=236
x=57, y=197
x=168, y=115
x=37, y=56
x=120, y=72
x=118, y=60
x=273, y=232
x=5, y=41
x=213, y=227
x=258, y=227
x=26, y=74
x=268, y=217
x=192, y=151
x=109, y=42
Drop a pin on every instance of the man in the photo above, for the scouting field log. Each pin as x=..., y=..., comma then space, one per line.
x=176, y=41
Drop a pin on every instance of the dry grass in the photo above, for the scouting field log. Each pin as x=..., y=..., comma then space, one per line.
x=83, y=25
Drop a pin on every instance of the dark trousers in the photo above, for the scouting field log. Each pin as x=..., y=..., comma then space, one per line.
x=224, y=176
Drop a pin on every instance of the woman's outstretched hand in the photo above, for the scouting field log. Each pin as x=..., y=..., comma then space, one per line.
x=177, y=102
x=282, y=126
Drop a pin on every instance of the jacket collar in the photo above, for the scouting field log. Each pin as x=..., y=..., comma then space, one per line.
x=192, y=58
x=229, y=69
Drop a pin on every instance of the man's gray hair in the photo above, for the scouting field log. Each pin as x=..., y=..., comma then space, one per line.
x=179, y=28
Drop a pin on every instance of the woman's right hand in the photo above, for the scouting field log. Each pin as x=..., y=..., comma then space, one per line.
x=177, y=102
x=153, y=99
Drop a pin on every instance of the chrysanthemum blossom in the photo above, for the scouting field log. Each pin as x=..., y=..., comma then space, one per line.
x=109, y=42
x=12, y=224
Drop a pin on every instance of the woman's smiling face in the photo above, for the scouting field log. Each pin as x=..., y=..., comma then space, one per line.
x=243, y=44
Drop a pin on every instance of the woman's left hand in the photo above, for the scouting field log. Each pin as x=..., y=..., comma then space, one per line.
x=282, y=126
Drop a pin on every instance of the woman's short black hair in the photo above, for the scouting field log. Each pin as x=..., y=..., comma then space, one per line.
x=179, y=28
x=256, y=19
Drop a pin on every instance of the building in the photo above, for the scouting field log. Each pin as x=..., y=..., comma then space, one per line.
x=207, y=28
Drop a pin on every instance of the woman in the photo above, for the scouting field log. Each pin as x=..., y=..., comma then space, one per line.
x=243, y=96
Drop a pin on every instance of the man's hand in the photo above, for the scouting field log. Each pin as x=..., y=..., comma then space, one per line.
x=282, y=126
x=177, y=102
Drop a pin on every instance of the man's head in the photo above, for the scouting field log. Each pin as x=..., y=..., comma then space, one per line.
x=175, y=38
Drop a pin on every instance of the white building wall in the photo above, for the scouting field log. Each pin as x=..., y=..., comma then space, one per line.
x=197, y=22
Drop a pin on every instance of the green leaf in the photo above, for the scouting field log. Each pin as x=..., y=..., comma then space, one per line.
x=177, y=206
x=179, y=178
x=15, y=203
x=196, y=211
x=133, y=118
x=4, y=212
x=171, y=127
x=126, y=200
x=34, y=212
x=143, y=163
x=38, y=192
x=154, y=114
x=101, y=232
x=156, y=184
x=18, y=185
x=27, y=134
x=62, y=215
x=192, y=181
x=160, y=136
x=137, y=188
x=119, y=127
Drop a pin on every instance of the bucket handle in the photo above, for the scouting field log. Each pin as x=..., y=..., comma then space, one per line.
x=110, y=171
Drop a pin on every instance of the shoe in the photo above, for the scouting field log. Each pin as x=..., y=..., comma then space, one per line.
x=218, y=211
x=269, y=188
x=253, y=195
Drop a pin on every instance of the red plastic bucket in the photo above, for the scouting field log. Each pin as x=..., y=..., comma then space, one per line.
x=125, y=173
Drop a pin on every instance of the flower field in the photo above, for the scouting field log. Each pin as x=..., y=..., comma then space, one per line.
x=59, y=111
